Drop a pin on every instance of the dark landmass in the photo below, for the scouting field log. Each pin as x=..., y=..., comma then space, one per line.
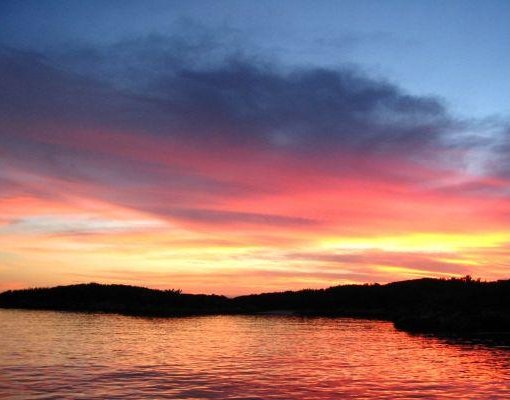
x=423, y=305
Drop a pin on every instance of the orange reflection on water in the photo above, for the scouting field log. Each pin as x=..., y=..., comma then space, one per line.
x=229, y=357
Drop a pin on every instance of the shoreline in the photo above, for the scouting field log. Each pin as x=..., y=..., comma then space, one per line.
x=487, y=338
x=455, y=306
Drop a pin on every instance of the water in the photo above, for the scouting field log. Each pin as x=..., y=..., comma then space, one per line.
x=51, y=355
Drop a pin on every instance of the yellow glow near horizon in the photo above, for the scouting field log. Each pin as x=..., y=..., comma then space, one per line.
x=419, y=242
x=44, y=246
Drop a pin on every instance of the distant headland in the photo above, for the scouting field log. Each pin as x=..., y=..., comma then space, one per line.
x=456, y=305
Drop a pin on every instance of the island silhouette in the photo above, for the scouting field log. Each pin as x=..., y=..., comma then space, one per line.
x=455, y=305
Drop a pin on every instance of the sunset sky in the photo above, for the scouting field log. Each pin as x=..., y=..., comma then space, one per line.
x=237, y=147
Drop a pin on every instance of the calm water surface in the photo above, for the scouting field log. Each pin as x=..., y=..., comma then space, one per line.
x=51, y=355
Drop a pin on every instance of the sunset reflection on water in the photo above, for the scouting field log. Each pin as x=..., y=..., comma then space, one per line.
x=73, y=355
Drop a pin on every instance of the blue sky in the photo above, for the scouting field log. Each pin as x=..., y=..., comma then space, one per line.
x=457, y=50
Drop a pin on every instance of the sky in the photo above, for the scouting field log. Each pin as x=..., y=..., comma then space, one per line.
x=237, y=147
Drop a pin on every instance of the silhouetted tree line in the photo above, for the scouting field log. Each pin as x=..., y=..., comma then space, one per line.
x=124, y=299
x=424, y=305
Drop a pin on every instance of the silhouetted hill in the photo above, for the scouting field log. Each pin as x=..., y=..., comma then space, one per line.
x=122, y=299
x=422, y=305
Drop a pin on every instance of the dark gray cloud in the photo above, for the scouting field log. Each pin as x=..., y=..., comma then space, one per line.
x=168, y=86
x=303, y=109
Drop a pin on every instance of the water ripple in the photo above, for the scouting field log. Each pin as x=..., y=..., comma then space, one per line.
x=50, y=355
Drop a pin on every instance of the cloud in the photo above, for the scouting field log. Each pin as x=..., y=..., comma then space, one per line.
x=430, y=263
x=501, y=150
x=233, y=218
x=182, y=127
x=157, y=87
